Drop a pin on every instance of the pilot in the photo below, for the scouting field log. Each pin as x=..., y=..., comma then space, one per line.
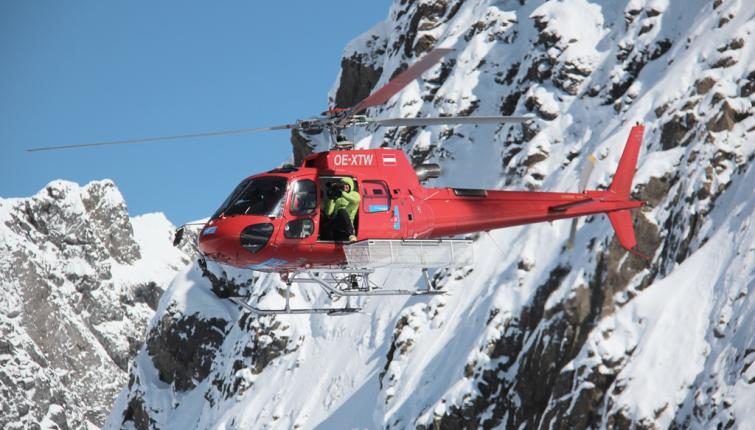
x=340, y=209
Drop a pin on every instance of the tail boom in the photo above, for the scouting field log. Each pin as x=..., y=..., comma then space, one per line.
x=453, y=213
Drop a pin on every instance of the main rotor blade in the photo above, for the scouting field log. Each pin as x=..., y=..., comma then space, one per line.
x=403, y=79
x=398, y=122
x=164, y=138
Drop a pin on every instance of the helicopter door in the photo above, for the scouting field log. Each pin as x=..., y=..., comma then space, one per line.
x=378, y=212
x=326, y=189
x=302, y=212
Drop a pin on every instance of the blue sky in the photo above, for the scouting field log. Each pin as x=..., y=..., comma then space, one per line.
x=88, y=71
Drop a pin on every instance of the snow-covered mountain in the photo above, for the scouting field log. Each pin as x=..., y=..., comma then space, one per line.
x=79, y=281
x=533, y=335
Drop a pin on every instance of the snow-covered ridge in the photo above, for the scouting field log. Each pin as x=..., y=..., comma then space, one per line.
x=533, y=335
x=79, y=280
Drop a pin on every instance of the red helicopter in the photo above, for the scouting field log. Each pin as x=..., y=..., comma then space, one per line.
x=275, y=222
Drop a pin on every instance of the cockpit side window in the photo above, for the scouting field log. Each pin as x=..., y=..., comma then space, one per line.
x=260, y=196
x=236, y=191
x=375, y=196
x=303, y=198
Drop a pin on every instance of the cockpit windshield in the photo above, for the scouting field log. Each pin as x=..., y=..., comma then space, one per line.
x=258, y=196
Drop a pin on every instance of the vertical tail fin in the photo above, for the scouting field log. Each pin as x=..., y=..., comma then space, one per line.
x=622, y=180
x=621, y=220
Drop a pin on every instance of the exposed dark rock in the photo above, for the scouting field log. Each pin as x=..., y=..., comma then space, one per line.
x=654, y=191
x=704, y=85
x=523, y=400
x=136, y=414
x=645, y=29
x=406, y=135
x=182, y=347
x=570, y=76
x=635, y=65
x=622, y=266
x=510, y=75
x=425, y=12
x=660, y=48
x=266, y=345
x=510, y=102
x=511, y=151
x=727, y=117
x=267, y=340
x=436, y=82
x=400, y=324
x=473, y=105
x=734, y=44
x=535, y=158
x=630, y=15
x=660, y=110
x=424, y=44
x=676, y=129
x=749, y=86
x=530, y=129
x=149, y=294
x=222, y=285
x=300, y=145
x=540, y=69
x=546, y=37
x=358, y=77
x=532, y=103
x=474, y=30
x=724, y=61
x=112, y=222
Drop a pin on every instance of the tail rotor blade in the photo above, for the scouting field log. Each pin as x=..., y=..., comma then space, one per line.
x=398, y=122
x=165, y=138
x=572, y=233
x=584, y=176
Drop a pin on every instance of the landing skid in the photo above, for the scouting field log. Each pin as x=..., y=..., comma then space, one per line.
x=328, y=311
x=342, y=282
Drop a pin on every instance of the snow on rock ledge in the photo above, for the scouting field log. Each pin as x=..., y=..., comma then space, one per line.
x=77, y=288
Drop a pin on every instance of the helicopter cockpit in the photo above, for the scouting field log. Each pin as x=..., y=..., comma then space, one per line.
x=255, y=196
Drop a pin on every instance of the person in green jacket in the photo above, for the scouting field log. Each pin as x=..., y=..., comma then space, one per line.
x=340, y=209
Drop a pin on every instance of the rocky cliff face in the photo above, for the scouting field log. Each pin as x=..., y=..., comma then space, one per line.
x=80, y=281
x=533, y=335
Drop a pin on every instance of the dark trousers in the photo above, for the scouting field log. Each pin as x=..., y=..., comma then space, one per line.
x=338, y=227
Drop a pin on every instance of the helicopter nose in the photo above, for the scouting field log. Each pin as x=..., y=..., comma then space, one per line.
x=234, y=240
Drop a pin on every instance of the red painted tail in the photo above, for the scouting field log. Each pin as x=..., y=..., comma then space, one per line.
x=621, y=221
x=622, y=180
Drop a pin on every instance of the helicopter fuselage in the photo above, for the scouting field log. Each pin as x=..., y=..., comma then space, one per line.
x=271, y=222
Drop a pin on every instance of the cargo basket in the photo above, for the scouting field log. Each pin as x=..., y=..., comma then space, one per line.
x=377, y=253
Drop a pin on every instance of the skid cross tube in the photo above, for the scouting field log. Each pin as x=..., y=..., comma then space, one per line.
x=366, y=288
x=288, y=311
x=358, y=285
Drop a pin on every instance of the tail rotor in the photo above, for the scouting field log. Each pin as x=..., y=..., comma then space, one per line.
x=584, y=176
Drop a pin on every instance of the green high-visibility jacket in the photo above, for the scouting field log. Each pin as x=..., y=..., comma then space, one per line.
x=348, y=201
